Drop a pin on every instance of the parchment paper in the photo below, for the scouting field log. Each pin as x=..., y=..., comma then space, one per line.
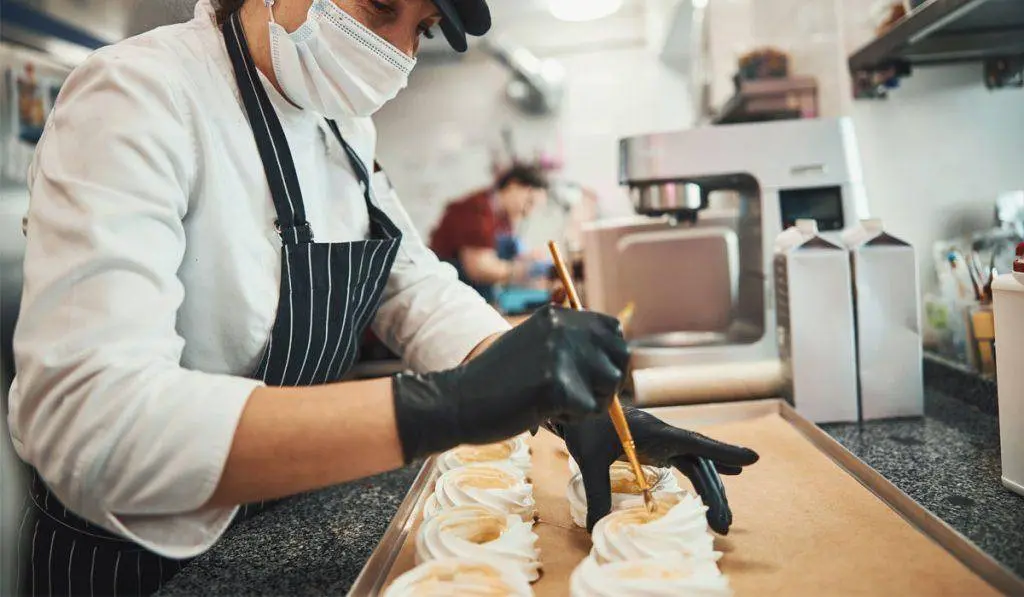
x=802, y=526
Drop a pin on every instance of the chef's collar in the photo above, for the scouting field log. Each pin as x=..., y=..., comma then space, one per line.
x=204, y=10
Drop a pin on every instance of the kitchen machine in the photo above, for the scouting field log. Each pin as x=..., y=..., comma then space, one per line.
x=697, y=257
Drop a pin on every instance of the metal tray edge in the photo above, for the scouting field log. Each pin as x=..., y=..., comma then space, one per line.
x=371, y=579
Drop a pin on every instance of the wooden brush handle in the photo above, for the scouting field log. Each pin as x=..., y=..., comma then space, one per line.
x=615, y=409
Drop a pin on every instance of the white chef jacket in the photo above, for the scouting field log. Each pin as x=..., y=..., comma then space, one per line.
x=152, y=273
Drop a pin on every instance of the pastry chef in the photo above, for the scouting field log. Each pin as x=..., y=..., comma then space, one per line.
x=208, y=236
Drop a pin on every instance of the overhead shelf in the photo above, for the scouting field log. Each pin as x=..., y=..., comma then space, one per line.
x=945, y=32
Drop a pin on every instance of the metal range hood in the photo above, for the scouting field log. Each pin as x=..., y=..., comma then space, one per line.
x=683, y=45
x=537, y=85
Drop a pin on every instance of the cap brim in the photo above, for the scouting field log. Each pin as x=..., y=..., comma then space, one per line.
x=476, y=17
x=451, y=25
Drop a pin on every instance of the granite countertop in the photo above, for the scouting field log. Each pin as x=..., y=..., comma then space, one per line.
x=316, y=544
x=949, y=463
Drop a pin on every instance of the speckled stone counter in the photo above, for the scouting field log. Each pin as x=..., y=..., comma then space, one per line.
x=316, y=544
x=313, y=544
x=949, y=463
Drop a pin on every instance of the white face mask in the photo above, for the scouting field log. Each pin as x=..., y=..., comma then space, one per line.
x=335, y=66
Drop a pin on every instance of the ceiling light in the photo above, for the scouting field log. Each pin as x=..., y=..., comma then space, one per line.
x=584, y=10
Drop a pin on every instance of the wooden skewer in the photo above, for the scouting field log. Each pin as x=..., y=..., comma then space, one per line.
x=615, y=409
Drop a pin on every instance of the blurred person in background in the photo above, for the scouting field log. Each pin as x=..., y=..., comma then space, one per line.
x=477, y=233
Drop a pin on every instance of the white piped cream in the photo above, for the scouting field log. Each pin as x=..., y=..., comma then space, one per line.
x=461, y=576
x=678, y=529
x=499, y=486
x=514, y=451
x=479, y=532
x=652, y=577
x=625, y=491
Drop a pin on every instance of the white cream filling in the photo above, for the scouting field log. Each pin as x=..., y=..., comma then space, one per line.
x=479, y=532
x=656, y=577
x=499, y=486
x=514, y=451
x=625, y=491
x=677, y=529
x=461, y=576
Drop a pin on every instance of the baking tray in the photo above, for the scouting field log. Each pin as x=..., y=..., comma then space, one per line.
x=803, y=521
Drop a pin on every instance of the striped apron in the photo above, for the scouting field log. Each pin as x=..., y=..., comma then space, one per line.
x=329, y=294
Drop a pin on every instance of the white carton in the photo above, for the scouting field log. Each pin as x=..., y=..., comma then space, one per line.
x=887, y=313
x=814, y=311
x=1008, y=303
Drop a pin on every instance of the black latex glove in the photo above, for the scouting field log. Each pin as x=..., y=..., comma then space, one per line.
x=559, y=364
x=595, y=446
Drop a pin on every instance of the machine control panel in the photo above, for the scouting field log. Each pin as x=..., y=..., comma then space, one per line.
x=822, y=204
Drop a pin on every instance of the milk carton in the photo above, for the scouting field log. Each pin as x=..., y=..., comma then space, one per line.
x=888, y=322
x=814, y=310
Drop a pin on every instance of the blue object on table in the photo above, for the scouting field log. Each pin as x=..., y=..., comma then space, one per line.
x=516, y=300
x=508, y=246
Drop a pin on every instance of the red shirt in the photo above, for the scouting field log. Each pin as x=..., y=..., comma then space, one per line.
x=467, y=222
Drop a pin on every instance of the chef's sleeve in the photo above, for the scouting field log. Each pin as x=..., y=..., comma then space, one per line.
x=427, y=315
x=121, y=433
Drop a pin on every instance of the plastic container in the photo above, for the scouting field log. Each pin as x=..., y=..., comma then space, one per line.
x=1008, y=302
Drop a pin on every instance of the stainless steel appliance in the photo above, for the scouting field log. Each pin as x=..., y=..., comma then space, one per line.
x=697, y=257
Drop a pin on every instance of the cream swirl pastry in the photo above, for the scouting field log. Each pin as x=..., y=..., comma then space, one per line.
x=478, y=531
x=655, y=577
x=625, y=490
x=514, y=451
x=461, y=576
x=677, y=528
x=499, y=486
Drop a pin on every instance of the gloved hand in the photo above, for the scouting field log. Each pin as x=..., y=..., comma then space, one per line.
x=559, y=364
x=595, y=446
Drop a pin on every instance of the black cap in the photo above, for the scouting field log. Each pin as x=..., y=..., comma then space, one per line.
x=461, y=17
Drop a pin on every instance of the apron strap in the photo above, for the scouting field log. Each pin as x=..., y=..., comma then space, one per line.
x=353, y=159
x=377, y=215
x=270, y=139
